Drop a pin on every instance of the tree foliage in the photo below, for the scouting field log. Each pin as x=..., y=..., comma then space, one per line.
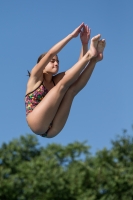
x=55, y=172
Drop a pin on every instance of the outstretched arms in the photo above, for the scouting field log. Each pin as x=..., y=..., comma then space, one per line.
x=37, y=70
x=84, y=37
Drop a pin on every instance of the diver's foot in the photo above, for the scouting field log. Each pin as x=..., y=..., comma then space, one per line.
x=93, y=46
x=100, y=48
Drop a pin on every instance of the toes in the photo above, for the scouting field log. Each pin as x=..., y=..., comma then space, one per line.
x=103, y=42
x=97, y=37
x=100, y=41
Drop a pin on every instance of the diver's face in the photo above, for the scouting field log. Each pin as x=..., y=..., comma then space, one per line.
x=52, y=66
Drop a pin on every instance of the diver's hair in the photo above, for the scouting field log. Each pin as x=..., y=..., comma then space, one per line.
x=28, y=73
x=38, y=60
x=40, y=57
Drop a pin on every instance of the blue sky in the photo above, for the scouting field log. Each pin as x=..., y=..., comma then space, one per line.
x=105, y=106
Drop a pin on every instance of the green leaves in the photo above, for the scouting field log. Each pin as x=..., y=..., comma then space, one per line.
x=29, y=171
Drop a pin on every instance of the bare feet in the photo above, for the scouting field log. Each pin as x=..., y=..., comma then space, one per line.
x=100, y=48
x=93, y=47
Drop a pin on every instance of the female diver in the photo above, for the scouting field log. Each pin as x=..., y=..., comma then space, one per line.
x=49, y=95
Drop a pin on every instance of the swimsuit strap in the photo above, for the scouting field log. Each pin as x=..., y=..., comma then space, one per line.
x=34, y=89
x=53, y=81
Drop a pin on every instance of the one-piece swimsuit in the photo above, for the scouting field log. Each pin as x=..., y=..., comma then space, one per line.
x=33, y=98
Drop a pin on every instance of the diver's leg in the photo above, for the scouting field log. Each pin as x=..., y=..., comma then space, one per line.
x=64, y=108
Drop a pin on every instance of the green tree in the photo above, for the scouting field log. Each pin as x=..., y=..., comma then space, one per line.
x=116, y=169
x=31, y=172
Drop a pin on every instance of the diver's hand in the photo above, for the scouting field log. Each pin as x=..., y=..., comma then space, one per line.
x=85, y=34
x=76, y=32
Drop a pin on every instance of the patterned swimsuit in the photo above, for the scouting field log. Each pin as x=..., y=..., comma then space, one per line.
x=33, y=98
